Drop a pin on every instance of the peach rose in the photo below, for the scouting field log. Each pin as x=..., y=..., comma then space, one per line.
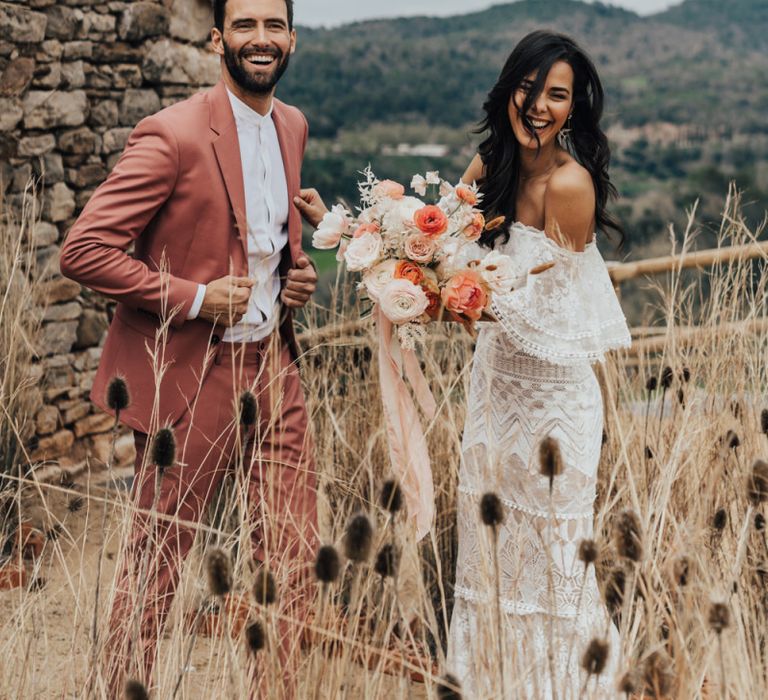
x=465, y=294
x=407, y=270
x=420, y=248
x=466, y=195
x=475, y=228
x=366, y=228
x=431, y=221
x=389, y=188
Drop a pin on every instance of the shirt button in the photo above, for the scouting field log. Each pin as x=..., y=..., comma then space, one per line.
x=215, y=340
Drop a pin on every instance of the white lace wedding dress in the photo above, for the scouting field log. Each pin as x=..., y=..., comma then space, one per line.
x=532, y=378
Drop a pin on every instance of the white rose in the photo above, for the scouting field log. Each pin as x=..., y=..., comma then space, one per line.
x=500, y=272
x=419, y=185
x=400, y=214
x=402, y=301
x=379, y=277
x=363, y=252
x=332, y=227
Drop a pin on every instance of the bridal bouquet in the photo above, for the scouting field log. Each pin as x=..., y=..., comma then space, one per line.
x=419, y=260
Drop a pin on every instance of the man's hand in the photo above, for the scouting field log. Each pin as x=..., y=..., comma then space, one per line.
x=300, y=284
x=311, y=206
x=226, y=300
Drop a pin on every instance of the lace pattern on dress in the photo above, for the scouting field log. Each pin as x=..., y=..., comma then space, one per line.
x=568, y=314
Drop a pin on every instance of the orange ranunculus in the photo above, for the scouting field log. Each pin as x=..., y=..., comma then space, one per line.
x=407, y=270
x=475, y=228
x=466, y=195
x=366, y=228
x=465, y=294
x=389, y=188
x=431, y=220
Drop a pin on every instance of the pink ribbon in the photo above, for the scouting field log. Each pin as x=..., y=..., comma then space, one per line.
x=407, y=444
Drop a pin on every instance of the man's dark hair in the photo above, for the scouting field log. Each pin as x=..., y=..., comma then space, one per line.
x=220, y=7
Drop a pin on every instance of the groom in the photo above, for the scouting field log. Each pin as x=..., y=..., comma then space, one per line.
x=208, y=193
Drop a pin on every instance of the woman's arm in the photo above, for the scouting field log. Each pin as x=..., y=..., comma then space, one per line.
x=569, y=207
x=474, y=172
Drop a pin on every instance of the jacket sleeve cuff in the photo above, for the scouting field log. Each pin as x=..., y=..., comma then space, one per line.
x=197, y=304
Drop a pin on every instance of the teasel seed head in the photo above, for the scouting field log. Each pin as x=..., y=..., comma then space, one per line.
x=219, y=570
x=491, y=510
x=386, y=561
x=629, y=538
x=736, y=408
x=264, y=587
x=550, y=459
x=681, y=570
x=614, y=590
x=648, y=452
x=681, y=397
x=391, y=498
x=719, y=617
x=118, y=397
x=588, y=552
x=720, y=519
x=164, y=448
x=327, y=564
x=759, y=522
x=685, y=374
x=651, y=384
x=657, y=672
x=764, y=421
x=757, y=483
x=595, y=657
x=604, y=438
x=358, y=538
x=732, y=440
x=628, y=683
x=135, y=690
x=75, y=504
x=447, y=688
x=248, y=408
x=255, y=637
x=667, y=377
x=53, y=533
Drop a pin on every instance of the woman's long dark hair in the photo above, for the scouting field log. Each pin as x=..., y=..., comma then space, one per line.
x=500, y=151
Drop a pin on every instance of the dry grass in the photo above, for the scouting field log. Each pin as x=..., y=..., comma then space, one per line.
x=668, y=457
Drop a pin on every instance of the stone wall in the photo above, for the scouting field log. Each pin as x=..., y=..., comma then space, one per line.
x=75, y=78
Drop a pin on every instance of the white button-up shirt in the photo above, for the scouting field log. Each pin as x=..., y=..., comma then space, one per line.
x=266, y=209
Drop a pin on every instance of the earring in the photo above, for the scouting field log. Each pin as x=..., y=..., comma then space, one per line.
x=564, y=136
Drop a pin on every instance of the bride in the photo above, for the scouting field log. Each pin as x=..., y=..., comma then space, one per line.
x=543, y=165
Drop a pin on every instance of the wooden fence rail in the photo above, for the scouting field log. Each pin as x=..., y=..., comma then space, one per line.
x=645, y=339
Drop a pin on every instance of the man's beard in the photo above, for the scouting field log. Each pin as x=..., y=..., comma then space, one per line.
x=259, y=84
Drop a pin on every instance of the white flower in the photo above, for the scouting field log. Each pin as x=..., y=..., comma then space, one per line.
x=419, y=185
x=332, y=227
x=458, y=255
x=433, y=178
x=500, y=272
x=446, y=189
x=379, y=277
x=363, y=252
x=403, y=301
x=399, y=217
x=411, y=333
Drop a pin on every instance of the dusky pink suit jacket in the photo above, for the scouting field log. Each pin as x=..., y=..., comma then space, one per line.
x=177, y=194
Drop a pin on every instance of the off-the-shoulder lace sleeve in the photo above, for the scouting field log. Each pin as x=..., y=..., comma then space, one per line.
x=568, y=314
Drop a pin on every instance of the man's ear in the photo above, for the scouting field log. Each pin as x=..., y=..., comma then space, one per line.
x=293, y=41
x=217, y=41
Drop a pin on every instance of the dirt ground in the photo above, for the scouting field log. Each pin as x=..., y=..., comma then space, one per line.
x=45, y=629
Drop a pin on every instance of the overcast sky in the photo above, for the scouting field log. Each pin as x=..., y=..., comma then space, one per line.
x=333, y=12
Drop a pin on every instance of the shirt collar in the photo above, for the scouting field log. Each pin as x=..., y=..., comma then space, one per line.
x=247, y=116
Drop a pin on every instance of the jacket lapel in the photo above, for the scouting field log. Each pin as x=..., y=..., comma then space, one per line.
x=227, y=148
